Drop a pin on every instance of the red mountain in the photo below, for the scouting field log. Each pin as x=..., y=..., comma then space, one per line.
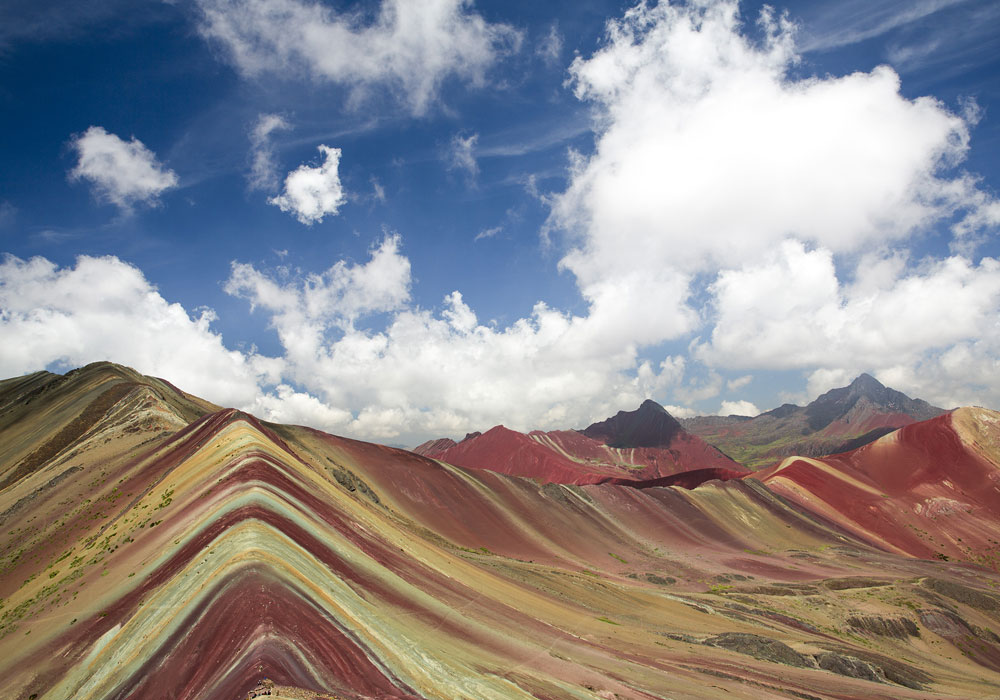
x=929, y=489
x=630, y=447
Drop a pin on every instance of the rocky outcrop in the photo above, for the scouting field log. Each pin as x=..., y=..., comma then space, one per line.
x=759, y=647
x=898, y=628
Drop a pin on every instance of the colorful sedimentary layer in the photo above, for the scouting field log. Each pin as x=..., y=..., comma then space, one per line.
x=929, y=489
x=156, y=546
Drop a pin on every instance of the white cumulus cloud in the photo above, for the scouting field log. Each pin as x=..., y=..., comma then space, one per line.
x=428, y=373
x=123, y=173
x=931, y=330
x=313, y=192
x=709, y=153
x=105, y=309
x=719, y=175
x=738, y=408
x=409, y=46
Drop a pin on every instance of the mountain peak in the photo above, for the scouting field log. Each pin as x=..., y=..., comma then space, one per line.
x=836, y=403
x=867, y=385
x=648, y=426
x=650, y=406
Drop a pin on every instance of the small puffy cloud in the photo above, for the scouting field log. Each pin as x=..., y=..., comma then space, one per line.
x=286, y=405
x=738, y=408
x=124, y=173
x=461, y=154
x=313, y=192
x=409, y=47
x=103, y=308
x=263, y=171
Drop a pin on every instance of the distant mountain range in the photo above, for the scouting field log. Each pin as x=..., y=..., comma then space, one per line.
x=633, y=446
x=649, y=444
x=839, y=420
x=155, y=545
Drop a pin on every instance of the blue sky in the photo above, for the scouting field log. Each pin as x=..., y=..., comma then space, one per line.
x=399, y=219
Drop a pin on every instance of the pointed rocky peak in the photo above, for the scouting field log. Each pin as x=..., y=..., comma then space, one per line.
x=867, y=387
x=648, y=426
x=867, y=384
x=650, y=407
x=836, y=403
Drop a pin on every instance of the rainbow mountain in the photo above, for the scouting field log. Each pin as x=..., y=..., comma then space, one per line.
x=153, y=545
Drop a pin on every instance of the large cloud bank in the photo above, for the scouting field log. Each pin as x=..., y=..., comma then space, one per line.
x=795, y=198
x=766, y=220
x=103, y=308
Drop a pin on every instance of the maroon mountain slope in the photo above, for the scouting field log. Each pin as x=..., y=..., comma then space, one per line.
x=631, y=447
x=929, y=489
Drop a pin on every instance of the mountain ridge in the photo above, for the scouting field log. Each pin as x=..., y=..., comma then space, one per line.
x=838, y=420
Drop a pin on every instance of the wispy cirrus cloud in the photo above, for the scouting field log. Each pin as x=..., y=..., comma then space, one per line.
x=23, y=21
x=461, y=154
x=8, y=212
x=263, y=170
x=550, y=46
x=409, y=47
x=489, y=233
x=853, y=21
